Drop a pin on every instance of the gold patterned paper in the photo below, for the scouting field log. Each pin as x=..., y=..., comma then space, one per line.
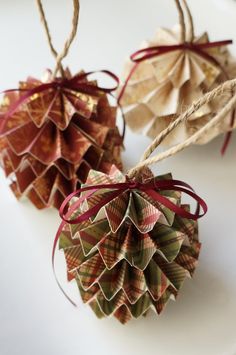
x=50, y=143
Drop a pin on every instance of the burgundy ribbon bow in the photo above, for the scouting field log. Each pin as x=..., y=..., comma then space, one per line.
x=199, y=49
x=76, y=83
x=151, y=188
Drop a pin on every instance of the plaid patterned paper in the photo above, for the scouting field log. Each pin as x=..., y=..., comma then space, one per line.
x=136, y=258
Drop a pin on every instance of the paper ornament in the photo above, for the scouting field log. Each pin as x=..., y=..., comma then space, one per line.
x=52, y=132
x=134, y=253
x=167, y=77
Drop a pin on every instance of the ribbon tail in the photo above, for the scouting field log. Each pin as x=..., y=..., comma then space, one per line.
x=64, y=205
x=60, y=229
x=123, y=120
x=200, y=202
x=226, y=142
x=228, y=135
x=121, y=94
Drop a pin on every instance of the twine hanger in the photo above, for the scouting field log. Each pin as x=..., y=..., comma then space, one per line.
x=146, y=161
x=187, y=33
x=60, y=56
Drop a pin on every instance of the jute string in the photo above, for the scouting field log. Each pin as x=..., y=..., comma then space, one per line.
x=60, y=56
x=226, y=88
x=185, y=36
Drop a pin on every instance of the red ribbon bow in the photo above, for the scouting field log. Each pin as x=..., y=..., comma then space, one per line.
x=76, y=83
x=198, y=48
x=151, y=188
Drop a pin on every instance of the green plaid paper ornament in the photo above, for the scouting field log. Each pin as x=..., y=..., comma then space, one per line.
x=134, y=254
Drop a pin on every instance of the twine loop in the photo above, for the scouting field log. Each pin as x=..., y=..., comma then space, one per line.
x=60, y=56
x=186, y=34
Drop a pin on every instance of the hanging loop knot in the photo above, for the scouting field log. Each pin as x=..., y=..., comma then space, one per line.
x=188, y=45
x=133, y=184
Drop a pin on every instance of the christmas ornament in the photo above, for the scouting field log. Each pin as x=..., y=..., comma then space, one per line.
x=136, y=251
x=173, y=70
x=129, y=240
x=54, y=130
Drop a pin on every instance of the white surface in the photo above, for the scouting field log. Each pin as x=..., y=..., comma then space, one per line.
x=35, y=318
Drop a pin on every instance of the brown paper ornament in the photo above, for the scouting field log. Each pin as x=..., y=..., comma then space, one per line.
x=54, y=130
x=53, y=139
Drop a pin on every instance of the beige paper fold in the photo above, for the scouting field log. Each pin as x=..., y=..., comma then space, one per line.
x=164, y=86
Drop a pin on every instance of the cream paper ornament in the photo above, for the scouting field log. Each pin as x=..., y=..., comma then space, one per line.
x=159, y=88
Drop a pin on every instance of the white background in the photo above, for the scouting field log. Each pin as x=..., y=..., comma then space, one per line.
x=35, y=318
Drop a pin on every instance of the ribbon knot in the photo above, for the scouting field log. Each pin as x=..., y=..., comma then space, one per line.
x=133, y=185
x=189, y=45
x=58, y=84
